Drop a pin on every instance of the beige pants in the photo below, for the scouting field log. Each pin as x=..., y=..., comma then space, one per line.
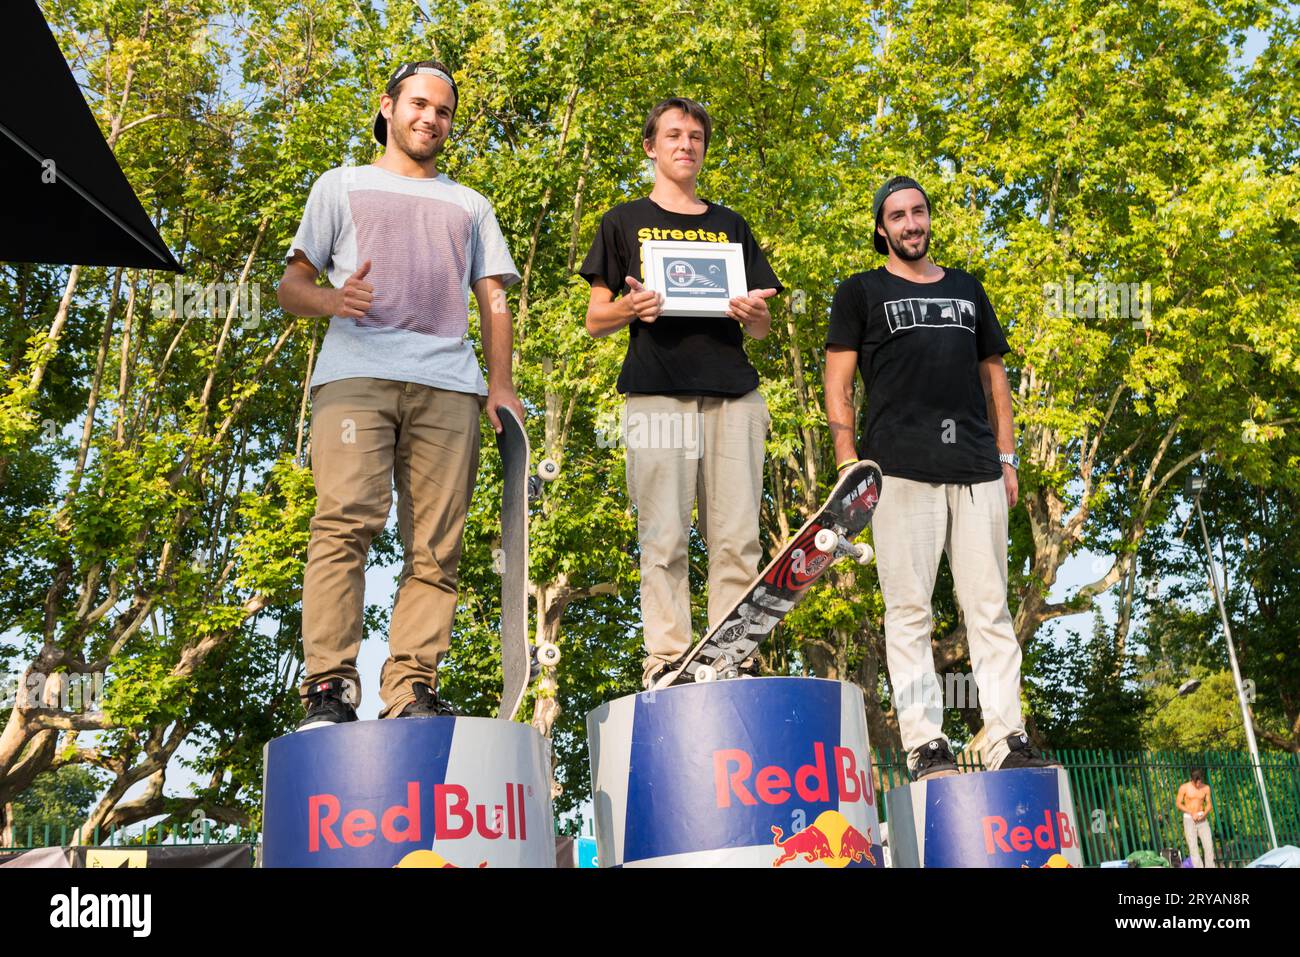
x=366, y=436
x=1193, y=829
x=680, y=449
x=914, y=523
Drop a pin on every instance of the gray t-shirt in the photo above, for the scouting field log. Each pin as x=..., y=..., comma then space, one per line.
x=428, y=241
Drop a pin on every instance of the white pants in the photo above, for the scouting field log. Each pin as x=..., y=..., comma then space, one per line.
x=684, y=450
x=914, y=523
x=1192, y=829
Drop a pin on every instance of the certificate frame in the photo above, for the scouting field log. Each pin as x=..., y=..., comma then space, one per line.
x=696, y=278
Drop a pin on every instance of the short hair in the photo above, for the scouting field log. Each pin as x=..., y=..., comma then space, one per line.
x=1198, y=774
x=689, y=107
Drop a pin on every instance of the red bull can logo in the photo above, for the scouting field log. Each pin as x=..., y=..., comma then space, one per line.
x=447, y=791
x=429, y=859
x=829, y=840
x=1000, y=837
x=455, y=817
x=734, y=779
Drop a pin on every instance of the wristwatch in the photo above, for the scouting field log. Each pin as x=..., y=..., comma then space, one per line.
x=1010, y=458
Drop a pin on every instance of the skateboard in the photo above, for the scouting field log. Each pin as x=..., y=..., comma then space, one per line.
x=780, y=586
x=520, y=660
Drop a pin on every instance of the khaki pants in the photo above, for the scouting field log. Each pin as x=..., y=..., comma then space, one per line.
x=1193, y=829
x=366, y=436
x=680, y=449
x=914, y=523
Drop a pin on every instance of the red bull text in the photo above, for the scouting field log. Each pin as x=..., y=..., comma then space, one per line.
x=999, y=837
x=454, y=818
x=734, y=778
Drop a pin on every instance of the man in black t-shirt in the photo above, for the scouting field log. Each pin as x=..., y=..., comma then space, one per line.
x=938, y=422
x=695, y=425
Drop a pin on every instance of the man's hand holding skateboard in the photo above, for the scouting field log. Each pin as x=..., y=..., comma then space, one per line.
x=503, y=396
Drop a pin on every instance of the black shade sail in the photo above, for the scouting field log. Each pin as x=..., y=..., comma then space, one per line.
x=82, y=209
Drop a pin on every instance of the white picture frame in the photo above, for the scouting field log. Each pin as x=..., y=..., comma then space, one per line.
x=696, y=279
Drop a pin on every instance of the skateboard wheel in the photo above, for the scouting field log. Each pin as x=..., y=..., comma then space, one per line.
x=548, y=655
x=865, y=554
x=826, y=540
x=548, y=470
x=704, y=673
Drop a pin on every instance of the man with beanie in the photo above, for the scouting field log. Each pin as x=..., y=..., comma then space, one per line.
x=938, y=421
x=397, y=391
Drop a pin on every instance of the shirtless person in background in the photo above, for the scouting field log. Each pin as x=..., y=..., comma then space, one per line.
x=1194, y=801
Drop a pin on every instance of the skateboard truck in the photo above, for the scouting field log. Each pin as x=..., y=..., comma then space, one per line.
x=833, y=543
x=548, y=470
x=724, y=666
x=545, y=655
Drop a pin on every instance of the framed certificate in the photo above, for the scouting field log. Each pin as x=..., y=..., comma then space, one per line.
x=696, y=279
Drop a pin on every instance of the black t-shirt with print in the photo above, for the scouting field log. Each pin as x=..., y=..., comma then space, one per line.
x=677, y=355
x=919, y=347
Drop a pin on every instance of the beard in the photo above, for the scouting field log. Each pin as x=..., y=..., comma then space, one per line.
x=898, y=247
x=419, y=150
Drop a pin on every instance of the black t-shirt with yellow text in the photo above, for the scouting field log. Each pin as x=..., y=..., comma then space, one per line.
x=677, y=355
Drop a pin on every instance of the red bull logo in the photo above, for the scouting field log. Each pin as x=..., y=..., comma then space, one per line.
x=829, y=840
x=454, y=818
x=429, y=859
x=1000, y=837
x=734, y=778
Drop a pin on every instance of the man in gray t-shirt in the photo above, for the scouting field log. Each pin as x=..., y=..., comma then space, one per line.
x=396, y=391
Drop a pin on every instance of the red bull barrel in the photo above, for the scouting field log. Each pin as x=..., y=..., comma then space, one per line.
x=750, y=772
x=411, y=792
x=1022, y=817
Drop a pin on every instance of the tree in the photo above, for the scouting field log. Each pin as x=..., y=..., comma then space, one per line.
x=1253, y=533
x=151, y=455
x=1084, y=695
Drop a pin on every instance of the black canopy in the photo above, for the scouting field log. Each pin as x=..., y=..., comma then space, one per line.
x=82, y=210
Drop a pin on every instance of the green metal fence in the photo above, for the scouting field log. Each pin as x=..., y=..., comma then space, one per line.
x=30, y=837
x=1124, y=800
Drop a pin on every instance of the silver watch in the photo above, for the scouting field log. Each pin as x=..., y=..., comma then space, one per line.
x=1010, y=458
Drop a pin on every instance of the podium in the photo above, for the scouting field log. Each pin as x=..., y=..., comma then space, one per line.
x=409, y=792
x=1021, y=817
x=747, y=772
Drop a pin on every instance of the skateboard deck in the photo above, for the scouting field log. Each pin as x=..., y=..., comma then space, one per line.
x=520, y=662
x=780, y=586
x=512, y=562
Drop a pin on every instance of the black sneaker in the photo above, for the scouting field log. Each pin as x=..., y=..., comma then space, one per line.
x=1024, y=755
x=934, y=758
x=427, y=704
x=326, y=705
x=658, y=674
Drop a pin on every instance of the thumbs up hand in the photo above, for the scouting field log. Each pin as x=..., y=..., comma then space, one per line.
x=356, y=296
x=642, y=303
